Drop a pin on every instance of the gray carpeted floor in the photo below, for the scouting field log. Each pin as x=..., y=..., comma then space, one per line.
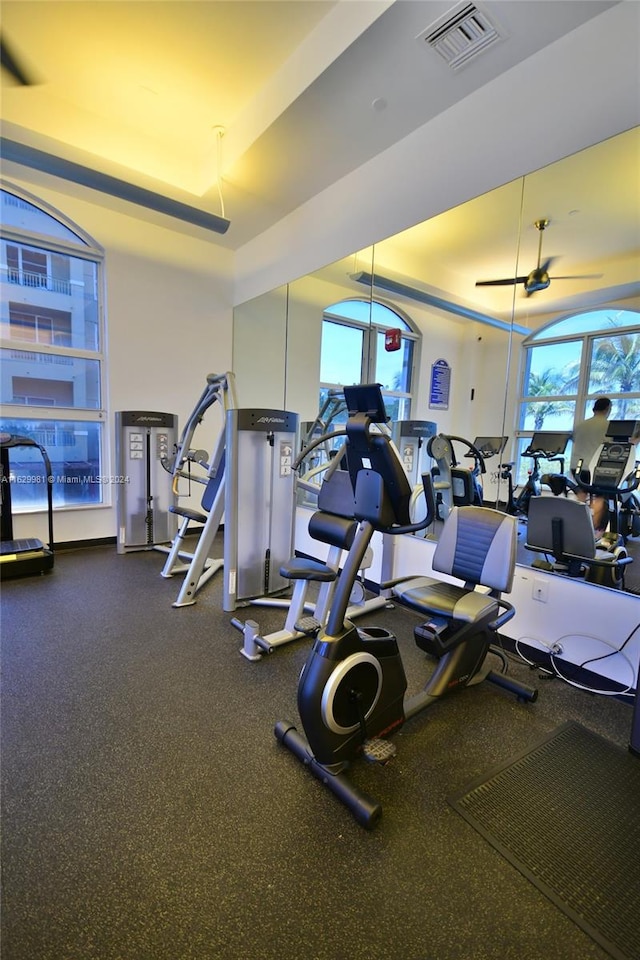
x=148, y=811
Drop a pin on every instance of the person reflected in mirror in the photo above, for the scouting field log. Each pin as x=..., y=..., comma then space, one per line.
x=588, y=436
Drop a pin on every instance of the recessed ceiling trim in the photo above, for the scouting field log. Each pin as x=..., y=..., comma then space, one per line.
x=15, y=152
x=422, y=296
x=463, y=33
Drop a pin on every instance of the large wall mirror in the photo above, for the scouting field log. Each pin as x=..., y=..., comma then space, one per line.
x=454, y=285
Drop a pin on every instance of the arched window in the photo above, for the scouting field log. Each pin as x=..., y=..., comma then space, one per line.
x=51, y=348
x=355, y=349
x=570, y=362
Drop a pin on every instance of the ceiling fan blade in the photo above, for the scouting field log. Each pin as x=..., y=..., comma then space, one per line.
x=11, y=64
x=512, y=281
x=544, y=267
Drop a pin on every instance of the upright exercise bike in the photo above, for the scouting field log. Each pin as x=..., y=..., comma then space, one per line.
x=351, y=692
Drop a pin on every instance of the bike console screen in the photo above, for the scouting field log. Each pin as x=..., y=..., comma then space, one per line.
x=490, y=446
x=623, y=430
x=547, y=442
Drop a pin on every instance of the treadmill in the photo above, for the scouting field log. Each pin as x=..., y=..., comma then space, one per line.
x=27, y=556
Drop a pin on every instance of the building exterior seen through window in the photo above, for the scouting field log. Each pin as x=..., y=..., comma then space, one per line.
x=51, y=353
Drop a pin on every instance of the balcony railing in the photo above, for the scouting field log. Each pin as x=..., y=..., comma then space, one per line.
x=43, y=281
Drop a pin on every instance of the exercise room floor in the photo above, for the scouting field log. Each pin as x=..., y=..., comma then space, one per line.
x=149, y=813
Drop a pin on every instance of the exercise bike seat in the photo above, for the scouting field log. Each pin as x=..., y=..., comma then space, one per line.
x=428, y=595
x=476, y=545
x=336, y=531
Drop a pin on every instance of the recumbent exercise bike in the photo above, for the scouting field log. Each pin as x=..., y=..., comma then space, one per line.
x=351, y=692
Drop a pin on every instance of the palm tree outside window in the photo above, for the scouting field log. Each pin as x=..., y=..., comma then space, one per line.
x=571, y=362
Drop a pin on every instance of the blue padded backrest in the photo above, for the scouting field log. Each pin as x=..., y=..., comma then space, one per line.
x=213, y=483
x=478, y=545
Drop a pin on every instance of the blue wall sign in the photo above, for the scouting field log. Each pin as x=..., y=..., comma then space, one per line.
x=440, y=385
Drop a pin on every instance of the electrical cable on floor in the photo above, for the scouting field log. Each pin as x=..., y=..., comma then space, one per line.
x=553, y=656
x=534, y=666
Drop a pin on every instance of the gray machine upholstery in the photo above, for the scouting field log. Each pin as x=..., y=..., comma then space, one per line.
x=563, y=529
x=476, y=545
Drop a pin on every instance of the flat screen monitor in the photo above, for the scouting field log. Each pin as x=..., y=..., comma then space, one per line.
x=489, y=446
x=622, y=430
x=546, y=441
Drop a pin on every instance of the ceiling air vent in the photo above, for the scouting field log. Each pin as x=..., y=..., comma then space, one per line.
x=461, y=35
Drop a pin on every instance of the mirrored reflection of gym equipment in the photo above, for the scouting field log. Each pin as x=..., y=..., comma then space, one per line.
x=412, y=438
x=334, y=526
x=29, y=555
x=545, y=445
x=614, y=474
x=457, y=486
x=562, y=530
x=194, y=466
x=143, y=496
x=314, y=457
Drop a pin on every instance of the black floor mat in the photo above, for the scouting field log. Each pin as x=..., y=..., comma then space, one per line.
x=566, y=814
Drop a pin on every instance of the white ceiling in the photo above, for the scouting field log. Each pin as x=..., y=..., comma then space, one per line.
x=305, y=91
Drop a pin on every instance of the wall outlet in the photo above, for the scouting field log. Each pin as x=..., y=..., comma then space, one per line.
x=540, y=589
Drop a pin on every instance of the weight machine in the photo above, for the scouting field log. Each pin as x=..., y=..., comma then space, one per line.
x=143, y=497
x=194, y=466
x=259, y=503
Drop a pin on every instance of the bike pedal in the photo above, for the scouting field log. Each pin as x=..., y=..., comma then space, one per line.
x=378, y=751
x=309, y=626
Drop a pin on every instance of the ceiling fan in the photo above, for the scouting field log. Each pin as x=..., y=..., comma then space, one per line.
x=539, y=278
x=11, y=63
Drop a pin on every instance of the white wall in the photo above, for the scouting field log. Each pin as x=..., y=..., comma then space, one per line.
x=169, y=324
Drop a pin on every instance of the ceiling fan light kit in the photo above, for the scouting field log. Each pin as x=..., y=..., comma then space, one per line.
x=539, y=278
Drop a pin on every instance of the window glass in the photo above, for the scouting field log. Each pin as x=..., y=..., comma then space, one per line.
x=26, y=217
x=615, y=364
x=553, y=369
x=600, y=356
x=73, y=447
x=393, y=368
x=50, y=292
x=49, y=380
x=353, y=351
x=548, y=415
x=587, y=323
x=341, y=353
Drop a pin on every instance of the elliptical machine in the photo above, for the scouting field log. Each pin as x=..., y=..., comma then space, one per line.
x=351, y=691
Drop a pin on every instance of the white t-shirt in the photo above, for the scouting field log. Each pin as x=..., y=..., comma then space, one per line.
x=587, y=437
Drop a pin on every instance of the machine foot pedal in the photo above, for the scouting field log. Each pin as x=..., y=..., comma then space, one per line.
x=309, y=626
x=378, y=751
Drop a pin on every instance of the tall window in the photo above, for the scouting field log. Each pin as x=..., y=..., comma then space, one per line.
x=353, y=351
x=569, y=363
x=51, y=352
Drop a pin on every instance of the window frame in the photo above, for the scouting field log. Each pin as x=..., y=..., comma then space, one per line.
x=370, y=331
x=582, y=398
x=89, y=250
